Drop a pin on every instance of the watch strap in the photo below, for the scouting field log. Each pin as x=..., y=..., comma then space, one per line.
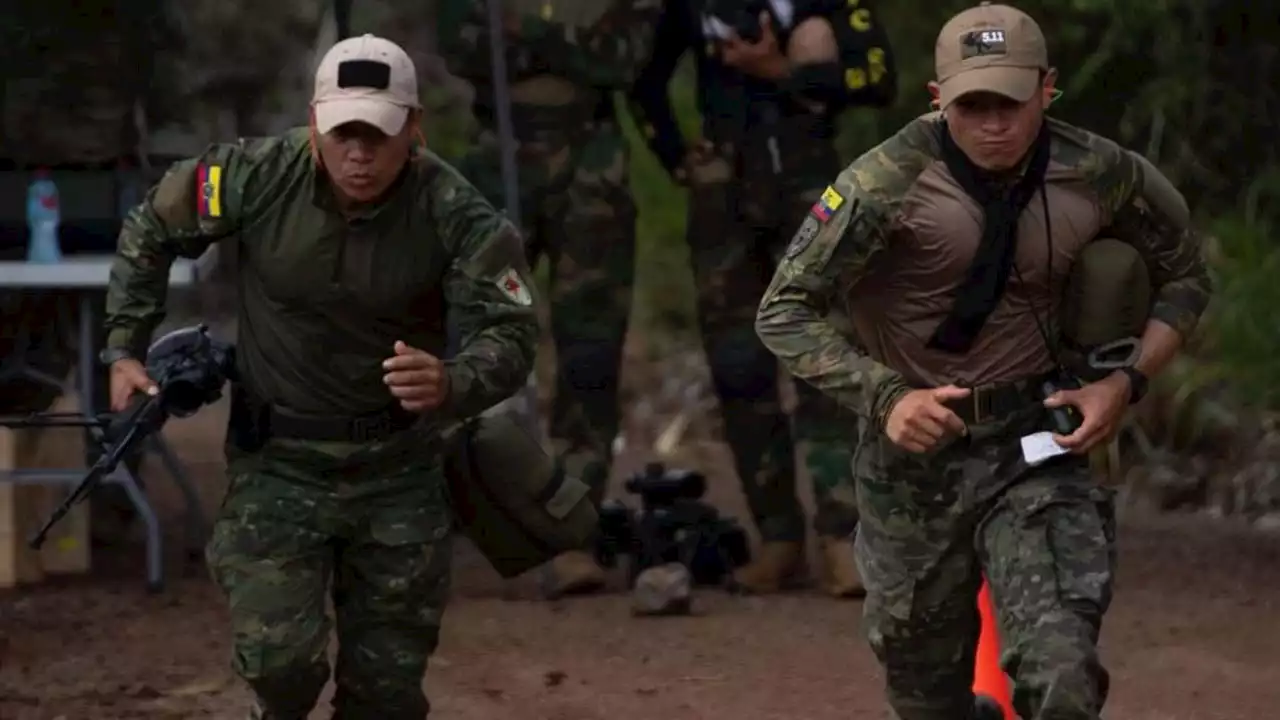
x=1137, y=383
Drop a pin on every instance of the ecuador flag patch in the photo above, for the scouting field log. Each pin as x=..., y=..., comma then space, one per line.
x=827, y=204
x=209, y=191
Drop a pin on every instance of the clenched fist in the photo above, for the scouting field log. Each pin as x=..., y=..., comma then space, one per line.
x=416, y=378
x=1101, y=404
x=128, y=376
x=920, y=422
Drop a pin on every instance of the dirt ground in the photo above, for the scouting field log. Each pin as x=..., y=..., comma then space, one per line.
x=1194, y=635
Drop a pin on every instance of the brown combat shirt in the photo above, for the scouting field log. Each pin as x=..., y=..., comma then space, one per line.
x=895, y=234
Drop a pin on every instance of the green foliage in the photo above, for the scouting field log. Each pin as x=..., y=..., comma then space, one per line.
x=1242, y=329
x=446, y=125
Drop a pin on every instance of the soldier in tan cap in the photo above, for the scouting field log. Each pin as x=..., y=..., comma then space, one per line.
x=950, y=244
x=354, y=243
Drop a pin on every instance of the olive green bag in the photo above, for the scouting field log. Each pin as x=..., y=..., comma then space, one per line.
x=1105, y=308
x=511, y=498
x=1108, y=296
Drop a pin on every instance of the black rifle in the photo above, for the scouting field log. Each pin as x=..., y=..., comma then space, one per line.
x=673, y=525
x=188, y=367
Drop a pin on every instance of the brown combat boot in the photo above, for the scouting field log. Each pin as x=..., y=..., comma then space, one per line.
x=840, y=576
x=573, y=573
x=777, y=565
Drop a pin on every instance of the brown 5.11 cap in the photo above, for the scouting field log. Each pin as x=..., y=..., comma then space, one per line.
x=990, y=48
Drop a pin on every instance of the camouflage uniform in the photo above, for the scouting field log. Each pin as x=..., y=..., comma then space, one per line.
x=891, y=239
x=565, y=61
x=322, y=300
x=768, y=158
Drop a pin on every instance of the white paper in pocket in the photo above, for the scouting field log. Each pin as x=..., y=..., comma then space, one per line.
x=1038, y=447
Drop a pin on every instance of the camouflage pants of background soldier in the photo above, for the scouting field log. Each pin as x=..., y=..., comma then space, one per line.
x=742, y=214
x=578, y=213
x=1044, y=537
x=300, y=518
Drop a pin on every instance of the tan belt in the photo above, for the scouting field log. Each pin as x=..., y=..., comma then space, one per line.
x=993, y=402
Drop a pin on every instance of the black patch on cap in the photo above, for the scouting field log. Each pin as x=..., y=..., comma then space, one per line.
x=371, y=74
x=988, y=41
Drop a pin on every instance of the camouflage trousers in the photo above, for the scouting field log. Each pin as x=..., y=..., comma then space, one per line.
x=1044, y=537
x=578, y=213
x=743, y=211
x=302, y=522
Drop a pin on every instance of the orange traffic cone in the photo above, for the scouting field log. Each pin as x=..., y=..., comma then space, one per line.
x=990, y=684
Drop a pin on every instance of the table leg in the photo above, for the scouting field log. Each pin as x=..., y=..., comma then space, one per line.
x=126, y=479
x=155, y=556
x=197, y=525
x=85, y=352
x=122, y=475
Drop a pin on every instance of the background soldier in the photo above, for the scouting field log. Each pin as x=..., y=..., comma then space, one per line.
x=768, y=116
x=565, y=59
x=353, y=247
x=951, y=242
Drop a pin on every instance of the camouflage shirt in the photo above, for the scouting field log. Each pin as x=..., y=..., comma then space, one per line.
x=595, y=43
x=323, y=297
x=893, y=237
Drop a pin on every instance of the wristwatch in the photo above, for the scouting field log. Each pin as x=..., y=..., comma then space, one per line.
x=1137, y=383
x=110, y=355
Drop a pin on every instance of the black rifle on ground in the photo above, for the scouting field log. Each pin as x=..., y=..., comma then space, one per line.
x=674, y=524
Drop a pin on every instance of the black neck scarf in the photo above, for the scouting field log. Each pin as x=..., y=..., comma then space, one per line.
x=1002, y=206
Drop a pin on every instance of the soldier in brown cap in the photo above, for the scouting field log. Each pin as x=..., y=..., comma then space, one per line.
x=950, y=244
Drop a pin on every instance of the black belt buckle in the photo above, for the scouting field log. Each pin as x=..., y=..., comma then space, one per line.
x=371, y=427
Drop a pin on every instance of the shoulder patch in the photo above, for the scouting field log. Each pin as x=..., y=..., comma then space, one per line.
x=513, y=287
x=827, y=204
x=803, y=237
x=209, y=190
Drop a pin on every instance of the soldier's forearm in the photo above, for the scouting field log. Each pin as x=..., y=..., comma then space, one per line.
x=490, y=368
x=1180, y=302
x=650, y=101
x=813, y=351
x=137, y=290
x=1161, y=343
x=662, y=134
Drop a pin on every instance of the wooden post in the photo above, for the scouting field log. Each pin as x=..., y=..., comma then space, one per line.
x=24, y=507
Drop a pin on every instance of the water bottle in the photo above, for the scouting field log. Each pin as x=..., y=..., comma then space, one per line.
x=43, y=217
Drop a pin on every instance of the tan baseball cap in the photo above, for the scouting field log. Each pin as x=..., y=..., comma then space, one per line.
x=365, y=79
x=990, y=48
